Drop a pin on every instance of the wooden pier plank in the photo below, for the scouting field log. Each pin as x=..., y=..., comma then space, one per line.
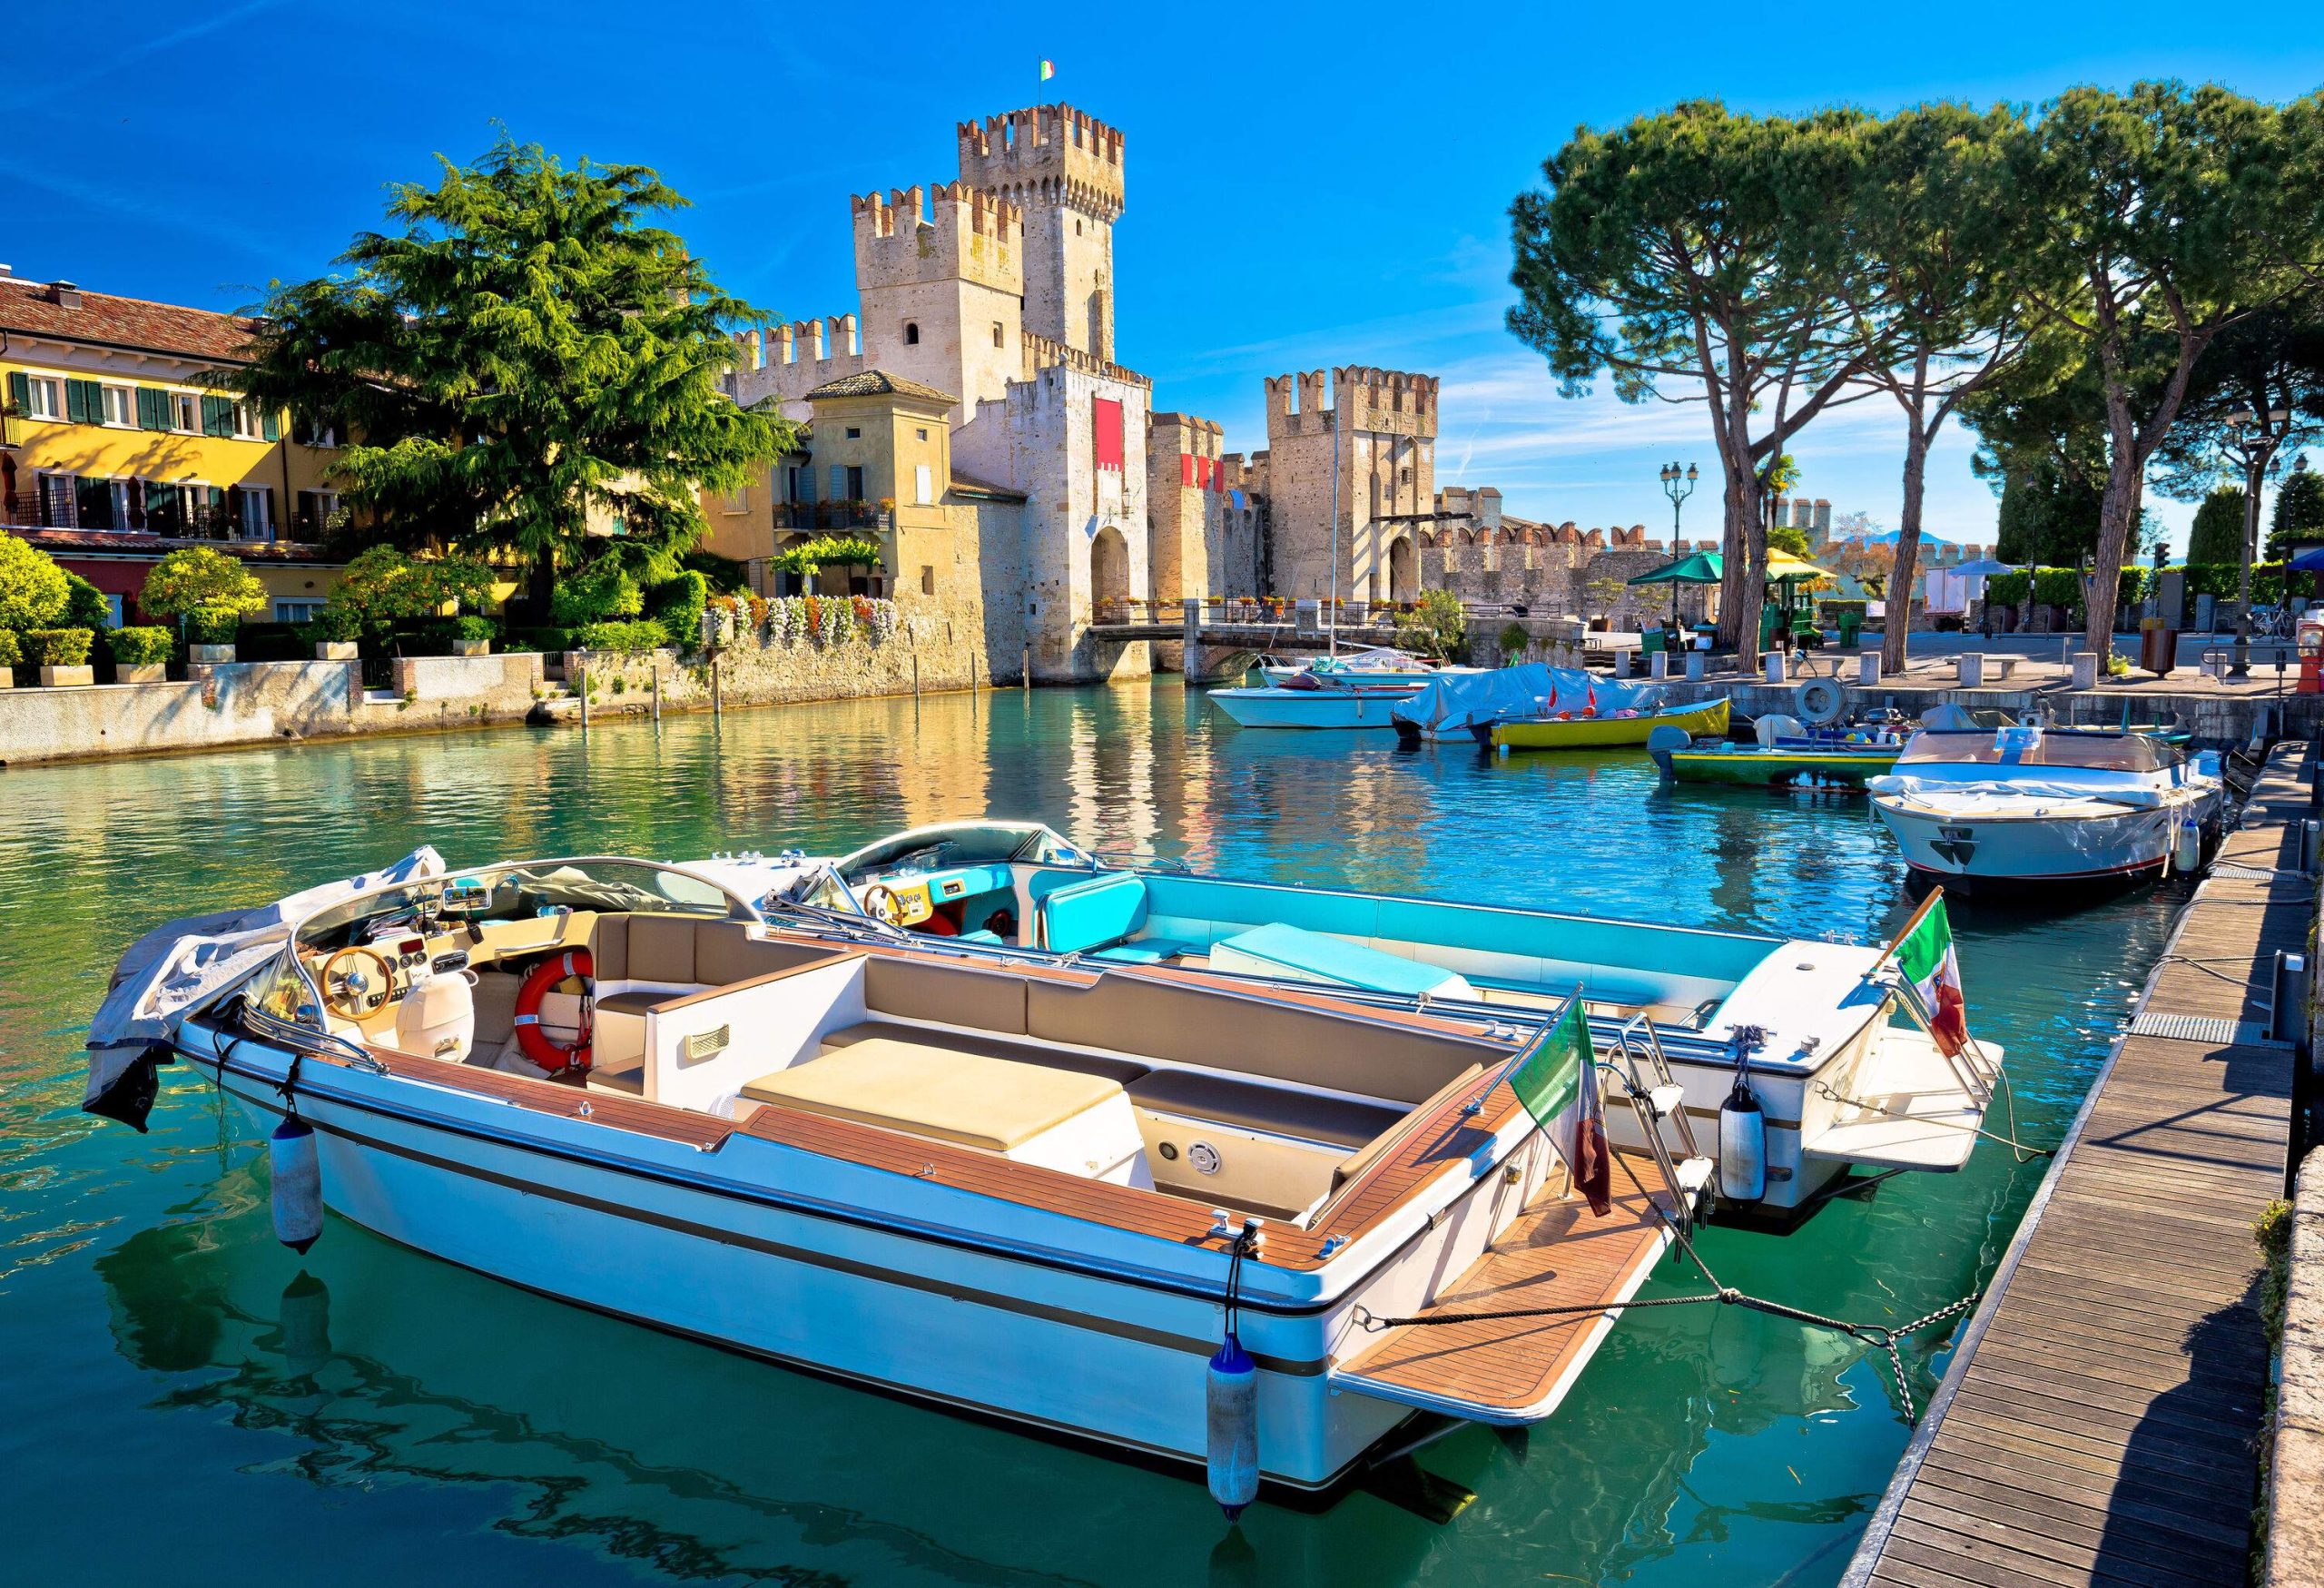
x=2097, y=1424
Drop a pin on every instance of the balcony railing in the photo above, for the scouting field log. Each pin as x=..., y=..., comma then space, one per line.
x=829, y=515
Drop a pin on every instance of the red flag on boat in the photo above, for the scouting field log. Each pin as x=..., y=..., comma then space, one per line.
x=1589, y=706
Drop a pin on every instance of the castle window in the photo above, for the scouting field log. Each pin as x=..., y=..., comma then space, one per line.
x=1077, y=227
x=997, y=339
x=855, y=433
x=912, y=334
x=927, y=580
x=920, y=433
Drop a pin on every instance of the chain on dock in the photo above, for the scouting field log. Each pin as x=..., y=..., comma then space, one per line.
x=1883, y=1336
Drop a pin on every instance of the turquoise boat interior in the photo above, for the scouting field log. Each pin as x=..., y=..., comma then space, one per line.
x=1023, y=886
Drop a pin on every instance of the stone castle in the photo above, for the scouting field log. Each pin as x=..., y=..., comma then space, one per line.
x=969, y=416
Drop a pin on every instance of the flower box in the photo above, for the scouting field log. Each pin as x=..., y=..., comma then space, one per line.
x=210, y=654
x=7, y=677
x=66, y=678
x=335, y=650
x=141, y=673
x=471, y=647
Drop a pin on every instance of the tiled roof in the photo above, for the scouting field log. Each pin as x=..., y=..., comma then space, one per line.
x=878, y=383
x=134, y=543
x=124, y=322
x=964, y=485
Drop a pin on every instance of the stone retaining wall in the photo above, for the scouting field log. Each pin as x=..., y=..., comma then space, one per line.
x=927, y=653
x=2296, y=1467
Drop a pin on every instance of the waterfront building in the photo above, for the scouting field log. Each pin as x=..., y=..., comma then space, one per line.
x=117, y=447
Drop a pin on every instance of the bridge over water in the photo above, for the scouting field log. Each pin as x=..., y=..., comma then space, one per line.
x=1223, y=640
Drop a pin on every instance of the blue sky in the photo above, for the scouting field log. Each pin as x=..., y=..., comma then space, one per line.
x=1308, y=186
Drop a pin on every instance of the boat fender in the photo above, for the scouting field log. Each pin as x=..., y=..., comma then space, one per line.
x=552, y=1056
x=1743, y=1127
x=298, y=1183
x=1822, y=701
x=1231, y=1402
x=2187, y=848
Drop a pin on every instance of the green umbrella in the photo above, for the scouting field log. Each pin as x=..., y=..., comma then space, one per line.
x=1696, y=567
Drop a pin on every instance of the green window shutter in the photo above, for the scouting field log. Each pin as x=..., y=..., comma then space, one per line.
x=217, y=417
x=85, y=402
x=269, y=424
x=20, y=390
x=153, y=410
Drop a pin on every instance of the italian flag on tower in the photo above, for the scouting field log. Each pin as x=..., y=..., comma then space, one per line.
x=1923, y=950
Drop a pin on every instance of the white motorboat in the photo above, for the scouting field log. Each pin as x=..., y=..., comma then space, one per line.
x=1315, y=700
x=1127, y=1204
x=1845, y=1074
x=2020, y=804
x=1368, y=664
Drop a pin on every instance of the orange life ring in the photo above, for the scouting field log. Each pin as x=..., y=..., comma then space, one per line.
x=554, y=1057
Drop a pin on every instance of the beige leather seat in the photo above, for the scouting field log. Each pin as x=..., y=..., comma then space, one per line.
x=1337, y=1120
x=1123, y=1071
x=995, y=1104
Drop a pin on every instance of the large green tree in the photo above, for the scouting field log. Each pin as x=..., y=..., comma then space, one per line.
x=1937, y=253
x=1698, y=255
x=2154, y=221
x=2217, y=535
x=526, y=365
x=2300, y=510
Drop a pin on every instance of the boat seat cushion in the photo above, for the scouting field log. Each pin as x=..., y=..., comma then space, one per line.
x=1121, y=1070
x=955, y=995
x=1146, y=950
x=921, y=1090
x=636, y=1001
x=1279, y=950
x=1339, y=1120
x=662, y=949
x=1089, y=914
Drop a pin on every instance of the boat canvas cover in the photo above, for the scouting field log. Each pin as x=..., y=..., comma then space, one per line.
x=177, y=968
x=2015, y=796
x=1448, y=707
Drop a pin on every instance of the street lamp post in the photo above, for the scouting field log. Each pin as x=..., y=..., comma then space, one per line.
x=1678, y=487
x=2256, y=436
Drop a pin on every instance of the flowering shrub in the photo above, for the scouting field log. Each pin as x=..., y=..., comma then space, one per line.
x=829, y=619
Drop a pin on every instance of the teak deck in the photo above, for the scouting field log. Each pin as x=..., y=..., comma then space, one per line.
x=1560, y=1255
x=2098, y=1422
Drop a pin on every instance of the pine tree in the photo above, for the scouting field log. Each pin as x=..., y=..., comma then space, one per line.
x=2218, y=533
x=2300, y=510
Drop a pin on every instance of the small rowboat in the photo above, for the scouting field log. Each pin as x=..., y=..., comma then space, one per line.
x=1585, y=733
x=1822, y=761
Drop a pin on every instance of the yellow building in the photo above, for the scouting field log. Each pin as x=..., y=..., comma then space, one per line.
x=117, y=446
x=878, y=465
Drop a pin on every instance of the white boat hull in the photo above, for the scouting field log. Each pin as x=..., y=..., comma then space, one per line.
x=780, y=1253
x=1308, y=708
x=2124, y=845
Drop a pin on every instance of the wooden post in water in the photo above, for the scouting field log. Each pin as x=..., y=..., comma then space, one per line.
x=915, y=674
x=717, y=706
x=581, y=688
x=656, y=664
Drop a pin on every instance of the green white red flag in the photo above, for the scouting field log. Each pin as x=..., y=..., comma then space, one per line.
x=1924, y=953
x=1559, y=1068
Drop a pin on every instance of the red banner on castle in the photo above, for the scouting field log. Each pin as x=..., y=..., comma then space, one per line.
x=1186, y=468
x=1202, y=473
x=1106, y=415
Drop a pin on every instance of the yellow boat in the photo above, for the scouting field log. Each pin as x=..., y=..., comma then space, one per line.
x=1581, y=733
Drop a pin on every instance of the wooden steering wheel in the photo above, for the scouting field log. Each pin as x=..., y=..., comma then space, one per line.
x=349, y=992
x=880, y=900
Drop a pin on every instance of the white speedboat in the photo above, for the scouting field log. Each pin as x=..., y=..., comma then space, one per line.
x=1369, y=664
x=1828, y=1042
x=1119, y=1202
x=2020, y=804
x=1315, y=700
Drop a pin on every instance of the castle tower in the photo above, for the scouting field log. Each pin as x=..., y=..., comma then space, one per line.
x=1064, y=170
x=940, y=284
x=1380, y=430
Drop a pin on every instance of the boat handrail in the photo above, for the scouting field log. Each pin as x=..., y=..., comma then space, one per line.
x=1976, y=1080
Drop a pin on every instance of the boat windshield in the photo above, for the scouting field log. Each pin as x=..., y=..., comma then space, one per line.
x=933, y=849
x=518, y=892
x=2012, y=746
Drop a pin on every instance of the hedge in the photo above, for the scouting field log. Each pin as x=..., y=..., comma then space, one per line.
x=627, y=639
x=11, y=655
x=56, y=648
x=140, y=646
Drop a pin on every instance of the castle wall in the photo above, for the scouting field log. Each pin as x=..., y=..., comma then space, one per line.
x=1370, y=431
x=1064, y=169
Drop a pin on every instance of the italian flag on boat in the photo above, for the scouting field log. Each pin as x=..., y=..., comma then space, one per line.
x=1925, y=953
x=1560, y=1067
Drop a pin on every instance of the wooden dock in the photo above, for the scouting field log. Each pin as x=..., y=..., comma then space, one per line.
x=2098, y=1421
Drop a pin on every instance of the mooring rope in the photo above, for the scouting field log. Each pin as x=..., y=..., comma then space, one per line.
x=1883, y=1336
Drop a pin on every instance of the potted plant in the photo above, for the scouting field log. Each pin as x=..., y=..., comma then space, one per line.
x=11, y=658
x=209, y=635
x=141, y=655
x=209, y=592
x=472, y=637
x=60, y=654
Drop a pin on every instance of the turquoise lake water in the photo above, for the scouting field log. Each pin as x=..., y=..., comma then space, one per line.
x=185, y=1399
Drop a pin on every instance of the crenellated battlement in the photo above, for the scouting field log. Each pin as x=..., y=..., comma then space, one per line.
x=802, y=341
x=1046, y=154
x=949, y=232
x=1356, y=396
x=1041, y=353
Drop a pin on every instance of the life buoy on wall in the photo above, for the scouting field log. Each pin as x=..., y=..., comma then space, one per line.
x=552, y=1056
